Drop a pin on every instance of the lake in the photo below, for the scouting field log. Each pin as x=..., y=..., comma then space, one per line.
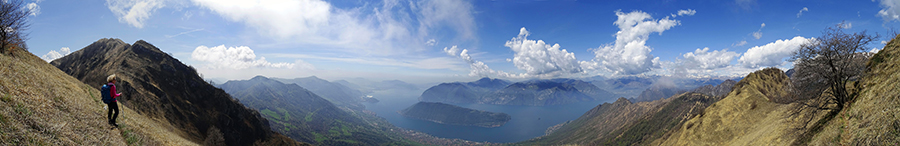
x=527, y=121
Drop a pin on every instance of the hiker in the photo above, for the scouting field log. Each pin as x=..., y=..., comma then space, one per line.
x=108, y=91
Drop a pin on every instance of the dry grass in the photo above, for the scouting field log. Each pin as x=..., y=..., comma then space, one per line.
x=41, y=105
x=874, y=118
x=748, y=116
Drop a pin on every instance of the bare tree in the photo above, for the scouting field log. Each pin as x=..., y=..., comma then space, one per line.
x=13, y=23
x=827, y=63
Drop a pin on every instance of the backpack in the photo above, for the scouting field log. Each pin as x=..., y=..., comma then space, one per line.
x=104, y=92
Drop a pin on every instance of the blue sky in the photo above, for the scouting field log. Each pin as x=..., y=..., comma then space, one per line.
x=450, y=40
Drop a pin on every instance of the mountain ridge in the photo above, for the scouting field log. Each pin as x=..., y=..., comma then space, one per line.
x=501, y=92
x=303, y=115
x=162, y=87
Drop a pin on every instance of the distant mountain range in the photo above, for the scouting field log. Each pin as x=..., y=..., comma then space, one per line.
x=335, y=92
x=303, y=115
x=501, y=92
x=649, y=88
x=369, y=86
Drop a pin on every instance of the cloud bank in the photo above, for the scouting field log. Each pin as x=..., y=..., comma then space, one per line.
x=771, y=54
x=241, y=57
x=537, y=58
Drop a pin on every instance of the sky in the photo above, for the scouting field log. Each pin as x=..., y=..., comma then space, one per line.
x=458, y=40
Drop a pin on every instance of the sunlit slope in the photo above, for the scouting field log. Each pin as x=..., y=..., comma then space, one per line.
x=748, y=115
x=626, y=123
x=42, y=105
x=874, y=118
x=163, y=88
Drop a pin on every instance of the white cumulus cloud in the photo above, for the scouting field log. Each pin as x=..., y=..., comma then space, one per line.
x=431, y=42
x=758, y=34
x=689, y=12
x=628, y=54
x=847, y=25
x=34, y=8
x=704, y=59
x=452, y=51
x=801, y=12
x=890, y=10
x=134, y=12
x=536, y=57
x=771, y=54
x=241, y=57
x=53, y=54
x=477, y=68
x=738, y=44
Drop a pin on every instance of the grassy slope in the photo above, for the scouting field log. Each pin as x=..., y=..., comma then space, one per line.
x=747, y=116
x=161, y=87
x=42, y=105
x=874, y=118
x=598, y=123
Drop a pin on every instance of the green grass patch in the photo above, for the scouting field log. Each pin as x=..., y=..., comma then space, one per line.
x=92, y=96
x=22, y=110
x=345, y=130
x=348, y=141
x=3, y=119
x=334, y=131
x=308, y=117
x=130, y=137
x=5, y=98
x=319, y=137
x=287, y=115
x=271, y=113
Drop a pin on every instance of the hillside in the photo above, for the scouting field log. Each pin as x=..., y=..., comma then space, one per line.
x=462, y=92
x=874, y=118
x=547, y=92
x=41, y=105
x=336, y=93
x=454, y=115
x=626, y=123
x=657, y=93
x=303, y=115
x=749, y=115
x=164, y=89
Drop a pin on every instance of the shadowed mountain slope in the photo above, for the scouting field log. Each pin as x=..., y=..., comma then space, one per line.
x=336, y=93
x=161, y=87
x=304, y=116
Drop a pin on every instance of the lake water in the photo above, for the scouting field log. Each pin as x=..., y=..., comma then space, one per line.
x=527, y=121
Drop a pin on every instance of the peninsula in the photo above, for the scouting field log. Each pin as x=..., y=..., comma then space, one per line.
x=454, y=115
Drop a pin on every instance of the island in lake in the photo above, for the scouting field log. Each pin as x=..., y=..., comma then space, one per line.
x=454, y=115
